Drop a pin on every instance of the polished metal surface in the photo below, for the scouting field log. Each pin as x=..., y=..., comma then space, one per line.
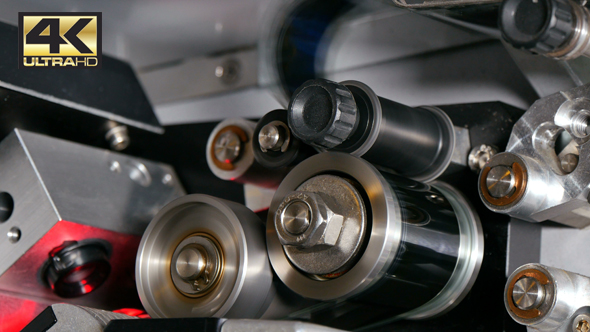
x=295, y=217
x=564, y=304
x=528, y=293
x=479, y=156
x=270, y=137
x=500, y=181
x=555, y=183
x=196, y=265
x=337, y=225
x=244, y=283
x=382, y=239
x=227, y=147
x=230, y=155
x=118, y=138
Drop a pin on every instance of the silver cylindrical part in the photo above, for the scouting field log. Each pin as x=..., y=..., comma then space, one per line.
x=203, y=256
x=230, y=155
x=404, y=220
x=565, y=297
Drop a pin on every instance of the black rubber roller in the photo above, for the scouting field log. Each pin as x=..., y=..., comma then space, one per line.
x=322, y=113
x=540, y=26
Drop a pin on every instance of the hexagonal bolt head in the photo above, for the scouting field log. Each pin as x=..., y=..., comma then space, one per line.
x=325, y=224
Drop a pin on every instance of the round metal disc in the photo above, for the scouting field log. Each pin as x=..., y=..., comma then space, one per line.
x=246, y=278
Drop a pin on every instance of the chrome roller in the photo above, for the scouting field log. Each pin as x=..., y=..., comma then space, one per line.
x=203, y=256
x=339, y=230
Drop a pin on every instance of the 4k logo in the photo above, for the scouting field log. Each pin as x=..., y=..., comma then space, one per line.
x=60, y=40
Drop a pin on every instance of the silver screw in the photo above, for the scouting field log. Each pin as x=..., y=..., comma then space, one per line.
x=500, y=181
x=479, y=156
x=296, y=217
x=228, y=72
x=14, y=234
x=581, y=323
x=167, y=180
x=228, y=147
x=569, y=162
x=190, y=263
x=528, y=293
x=270, y=138
x=118, y=138
x=115, y=167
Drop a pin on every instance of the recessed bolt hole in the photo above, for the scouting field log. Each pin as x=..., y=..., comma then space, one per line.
x=14, y=234
x=6, y=206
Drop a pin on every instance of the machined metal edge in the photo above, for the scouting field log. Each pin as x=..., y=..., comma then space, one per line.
x=244, y=287
x=383, y=240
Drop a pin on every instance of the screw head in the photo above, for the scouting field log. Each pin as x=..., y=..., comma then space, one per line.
x=500, y=181
x=296, y=217
x=190, y=263
x=228, y=147
x=270, y=137
x=14, y=234
x=528, y=293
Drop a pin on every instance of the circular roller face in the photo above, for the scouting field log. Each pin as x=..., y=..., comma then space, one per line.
x=196, y=236
x=383, y=236
x=229, y=148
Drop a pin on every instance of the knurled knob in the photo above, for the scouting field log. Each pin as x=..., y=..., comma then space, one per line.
x=322, y=113
x=541, y=26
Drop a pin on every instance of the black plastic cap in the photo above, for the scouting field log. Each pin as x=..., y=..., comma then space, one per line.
x=322, y=113
x=540, y=26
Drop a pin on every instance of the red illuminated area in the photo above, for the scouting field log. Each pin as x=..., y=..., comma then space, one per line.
x=23, y=296
x=17, y=313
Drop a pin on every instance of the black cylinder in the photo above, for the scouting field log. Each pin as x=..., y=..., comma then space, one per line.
x=414, y=142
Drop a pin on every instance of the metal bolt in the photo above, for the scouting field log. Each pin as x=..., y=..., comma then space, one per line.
x=190, y=263
x=569, y=162
x=115, y=167
x=118, y=138
x=300, y=208
x=296, y=217
x=270, y=138
x=479, y=156
x=228, y=147
x=167, y=180
x=528, y=293
x=228, y=72
x=500, y=181
x=14, y=234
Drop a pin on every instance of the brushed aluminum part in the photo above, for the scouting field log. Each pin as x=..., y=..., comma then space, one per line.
x=245, y=280
x=565, y=303
x=557, y=182
x=383, y=238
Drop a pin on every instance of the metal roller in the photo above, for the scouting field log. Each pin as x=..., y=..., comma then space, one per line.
x=338, y=229
x=274, y=145
x=230, y=155
x=202, y=256
x=349, y=117
x=545, y=298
